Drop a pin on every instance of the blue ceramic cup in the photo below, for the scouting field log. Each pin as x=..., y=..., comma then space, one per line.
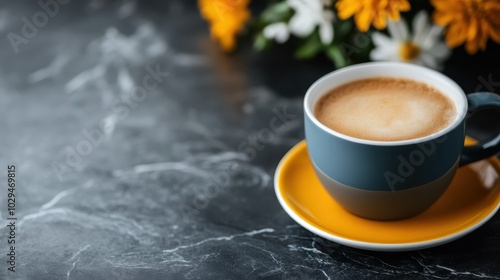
x=397, y=179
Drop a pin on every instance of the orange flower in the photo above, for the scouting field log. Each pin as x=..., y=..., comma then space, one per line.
x=469, y=21
x=366, y=12
x=226, y=18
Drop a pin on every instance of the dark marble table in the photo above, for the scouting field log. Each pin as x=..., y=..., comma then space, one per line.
x=141, y=153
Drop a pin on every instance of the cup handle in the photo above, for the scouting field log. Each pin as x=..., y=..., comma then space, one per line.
x=487, y=148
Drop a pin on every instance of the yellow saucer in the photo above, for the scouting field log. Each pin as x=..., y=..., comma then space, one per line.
x=472, y=199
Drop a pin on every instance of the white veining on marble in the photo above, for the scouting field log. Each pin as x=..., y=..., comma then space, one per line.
x=426, y=268
x=457, y=273
x=223, y=156
x=135, y=226
x=68, y=274
x=56, y=198
x=314, y=250
x=175, y=258
x=326, y=275
x=294, y=247
x=221, y=238
x=163, y=166
x=54, y=68
x=128, y=266
x=123, y=261
x=378, y=260
x=261, y=177
x=125, y=83
x=84, y=77
x=42, y=213
x=274, y=269
x=124, y=80
x=109, y=125
x=315, y=269
x=367, y=267
x=77, y=253
x=65, y=193
x=113, y=222
x=145, y=43
x=188, y=165
x=293, y=226
x=117, y=52
x=195, y=266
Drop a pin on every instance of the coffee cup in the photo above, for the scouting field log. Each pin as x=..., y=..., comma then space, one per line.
x=392, y=153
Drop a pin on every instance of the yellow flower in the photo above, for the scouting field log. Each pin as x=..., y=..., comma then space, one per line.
x=469, y=21
x=226, y=18
x=367, y=12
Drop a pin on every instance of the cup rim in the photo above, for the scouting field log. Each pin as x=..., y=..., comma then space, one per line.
x=461, y=112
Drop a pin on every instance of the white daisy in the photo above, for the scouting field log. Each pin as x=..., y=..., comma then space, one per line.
x=308, y=15
x=277, y=31
x=425, y=47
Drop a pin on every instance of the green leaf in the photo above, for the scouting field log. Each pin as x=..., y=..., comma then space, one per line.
x=261, y=42
x=311, y=46
x=343, y=28
x=336, y=55
x=277, y=12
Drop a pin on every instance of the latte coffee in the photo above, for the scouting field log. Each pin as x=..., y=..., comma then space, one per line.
x=385, y=109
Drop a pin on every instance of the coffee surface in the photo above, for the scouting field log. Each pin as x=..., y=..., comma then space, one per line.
x=385, y=109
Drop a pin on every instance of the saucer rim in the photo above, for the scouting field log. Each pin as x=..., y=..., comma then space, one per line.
x=372, y=246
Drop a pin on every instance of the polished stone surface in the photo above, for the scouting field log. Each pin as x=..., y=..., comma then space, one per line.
x=143, y=152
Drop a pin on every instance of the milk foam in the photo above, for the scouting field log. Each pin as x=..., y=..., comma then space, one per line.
x=385, y=109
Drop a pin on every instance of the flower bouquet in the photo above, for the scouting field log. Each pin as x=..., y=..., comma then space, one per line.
x=349, y=31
